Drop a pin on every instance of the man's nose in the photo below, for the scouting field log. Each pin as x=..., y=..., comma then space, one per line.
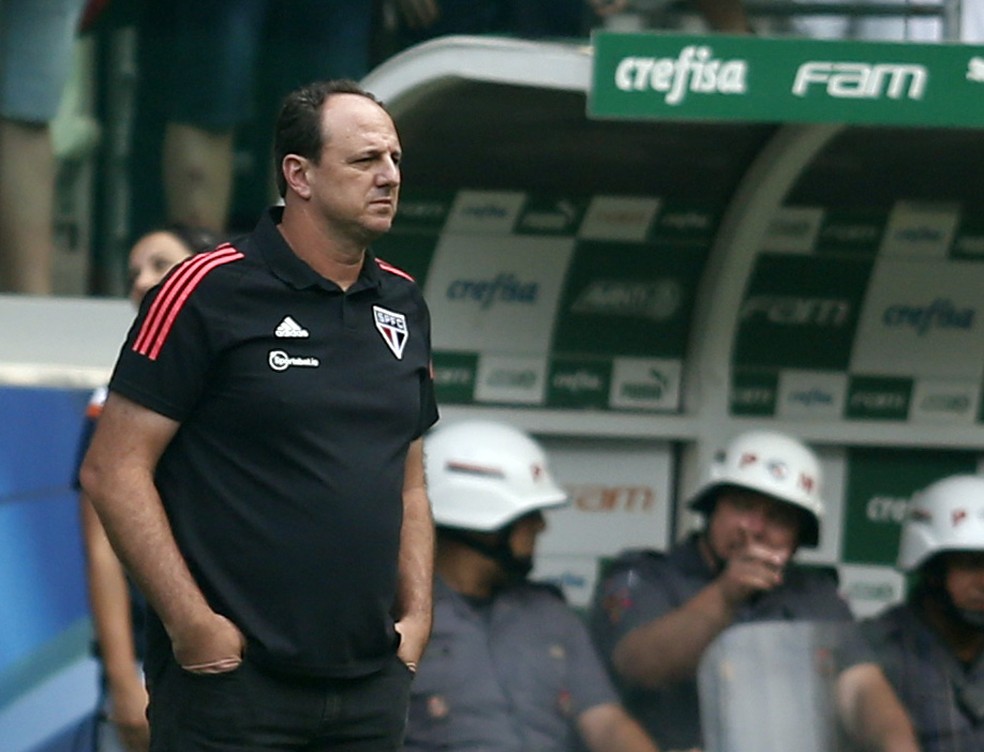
x=389, y=174
x=754, y=520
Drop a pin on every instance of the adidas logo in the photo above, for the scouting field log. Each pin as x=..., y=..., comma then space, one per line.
x=290, y=328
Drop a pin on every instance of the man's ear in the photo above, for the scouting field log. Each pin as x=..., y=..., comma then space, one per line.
x=295, y=170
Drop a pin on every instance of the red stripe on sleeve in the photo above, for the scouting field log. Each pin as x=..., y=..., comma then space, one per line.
x=169, y=301
x=387, y=267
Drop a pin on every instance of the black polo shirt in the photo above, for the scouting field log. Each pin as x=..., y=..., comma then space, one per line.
x=297, y=403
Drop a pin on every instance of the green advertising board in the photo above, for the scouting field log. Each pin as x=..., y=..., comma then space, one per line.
x=880, y=484
x=568, y=302
x=682, y=77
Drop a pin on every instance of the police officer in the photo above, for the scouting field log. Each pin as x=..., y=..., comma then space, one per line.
x=931, y=646
x=654, y=615
x=510, y=666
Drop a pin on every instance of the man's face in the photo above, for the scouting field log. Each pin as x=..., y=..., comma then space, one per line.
x=965, y=580
x=525, y=530
x=356, y=184
x=742, y=517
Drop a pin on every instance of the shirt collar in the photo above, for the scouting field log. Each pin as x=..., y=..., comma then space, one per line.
x=289, y=267
x=688, y=558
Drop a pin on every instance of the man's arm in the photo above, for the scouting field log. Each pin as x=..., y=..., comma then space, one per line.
x=109, y=601
x=668, y=648
x=608, y=728
x=416, y=574
x=117, y=475
x=871, y=712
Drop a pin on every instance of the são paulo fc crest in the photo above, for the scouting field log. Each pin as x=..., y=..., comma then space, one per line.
x=393, y=328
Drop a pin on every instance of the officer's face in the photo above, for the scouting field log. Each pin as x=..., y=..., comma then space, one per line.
x=965, y=580
x=742, y=517
x=525, y=530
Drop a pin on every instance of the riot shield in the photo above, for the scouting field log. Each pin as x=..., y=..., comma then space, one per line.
x=770, y=687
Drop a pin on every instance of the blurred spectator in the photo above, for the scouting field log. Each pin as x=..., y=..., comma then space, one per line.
x=212, y=74
x=36, y=54
x=419, y=20
x=409, y=22
x=894, y=22
x=932, y=646
x=724, y=16
x=117, y=606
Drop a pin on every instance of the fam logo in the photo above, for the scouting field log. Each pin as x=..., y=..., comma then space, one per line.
x=393, y=328
x=614, y=499
x=879, y=401
x=790, y=310
x=852, y=80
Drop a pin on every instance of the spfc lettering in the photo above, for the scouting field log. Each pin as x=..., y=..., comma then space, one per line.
x=393, y=328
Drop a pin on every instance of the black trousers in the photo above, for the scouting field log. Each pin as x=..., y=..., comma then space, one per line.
x=249, y=709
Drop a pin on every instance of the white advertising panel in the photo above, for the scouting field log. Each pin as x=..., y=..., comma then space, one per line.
x=485, y=212
x=944, y=401
x=645, y=383
x=496, y=293
x=576, y=575
x=793, y=229
x=811, y=395
x=920, y=229
x=503, y=378
x=619, y=218
x=922, y=318
x=869, y=589
x=621, y=497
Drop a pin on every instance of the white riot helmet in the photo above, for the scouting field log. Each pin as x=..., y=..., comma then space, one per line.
x=948, y=515
x=774, y=464
x=482, y=475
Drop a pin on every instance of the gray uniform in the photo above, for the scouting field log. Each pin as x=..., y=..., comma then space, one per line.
x=945, y=699
x=512, y=673
x=643, y=585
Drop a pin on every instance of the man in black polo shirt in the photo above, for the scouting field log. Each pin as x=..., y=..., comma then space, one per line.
x=258, y=464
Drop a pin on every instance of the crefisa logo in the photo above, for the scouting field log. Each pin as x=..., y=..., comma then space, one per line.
x=695, y=70
x=941, y=313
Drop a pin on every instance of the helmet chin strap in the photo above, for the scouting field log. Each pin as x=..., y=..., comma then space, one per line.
x=515, y=567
